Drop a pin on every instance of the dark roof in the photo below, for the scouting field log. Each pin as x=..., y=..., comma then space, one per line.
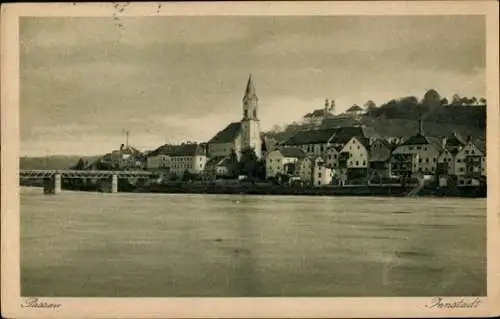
x=417, y=140
x=292, y=152
x=178, y=150
x=365, y=141
x=420, y=139
x=310, y=137
x=337, y=135
x=344, y=134
x=228, y=134
x=455, y=140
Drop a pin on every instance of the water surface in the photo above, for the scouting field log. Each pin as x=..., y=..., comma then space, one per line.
x=84, y=244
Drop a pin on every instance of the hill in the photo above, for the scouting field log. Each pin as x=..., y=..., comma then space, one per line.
x=52, y=162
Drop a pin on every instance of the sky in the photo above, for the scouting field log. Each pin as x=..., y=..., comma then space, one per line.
x=84, y=81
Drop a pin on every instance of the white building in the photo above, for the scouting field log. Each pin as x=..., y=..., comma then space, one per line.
x=322, y=174
x=423, y=150
x=177, y=159
x=277, y=160
x=358, y=150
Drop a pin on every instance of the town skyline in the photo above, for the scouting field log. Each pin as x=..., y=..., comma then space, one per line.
x=86, y=80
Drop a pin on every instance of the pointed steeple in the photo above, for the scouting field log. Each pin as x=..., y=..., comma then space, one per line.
x=250, y=90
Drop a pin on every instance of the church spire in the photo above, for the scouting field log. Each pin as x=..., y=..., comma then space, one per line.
x=250, y=91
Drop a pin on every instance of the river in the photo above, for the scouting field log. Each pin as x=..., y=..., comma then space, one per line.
x=85, y=244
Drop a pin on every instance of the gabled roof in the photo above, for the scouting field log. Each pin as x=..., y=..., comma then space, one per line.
x=344, y=134
x=455, y=140
x=420, y=139
x=292, y=152
x=365, y=141
x=228, y=134
x=310, y=137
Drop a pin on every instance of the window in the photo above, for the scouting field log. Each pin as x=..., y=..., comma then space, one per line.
x=427, y=160
x=461, y=169
x=364, y=163
x=425, y=148
x=419, y=147
x=246, y=113
x=411, y=148
x=420, y=160
x=466, y=152
x=358, y=147
x=255, y=113
x=472, y=152
x=357, y=163
x=459, y=161
x=434, y=160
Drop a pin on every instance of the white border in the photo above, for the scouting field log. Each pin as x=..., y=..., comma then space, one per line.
x=232, y=307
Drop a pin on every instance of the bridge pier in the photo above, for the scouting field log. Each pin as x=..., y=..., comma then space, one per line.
x=114, y=184
x=109, y=185
x=52, y=185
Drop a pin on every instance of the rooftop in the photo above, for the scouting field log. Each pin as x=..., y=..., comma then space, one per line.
x=228, y=134
x=178, y=150
x=292, y=152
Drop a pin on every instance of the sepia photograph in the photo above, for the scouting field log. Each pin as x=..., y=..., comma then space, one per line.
x=250, y=152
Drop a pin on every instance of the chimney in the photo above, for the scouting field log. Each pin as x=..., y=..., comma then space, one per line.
x=326, y=104
x=469, y=139
x=443, y=141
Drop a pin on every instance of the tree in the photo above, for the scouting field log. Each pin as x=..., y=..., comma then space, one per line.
x=370, y=106
x=186, y=176
x=276, y=128
x=482, y=101
x=250, y=165
x=233, y=165
x=80, y=165
x=431, y=98
x=456, y=100
x=444, y=101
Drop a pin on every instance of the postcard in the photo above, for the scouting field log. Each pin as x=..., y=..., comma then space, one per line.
x=250, y=159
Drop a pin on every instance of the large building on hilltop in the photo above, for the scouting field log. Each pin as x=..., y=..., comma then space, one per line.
x=238, y=136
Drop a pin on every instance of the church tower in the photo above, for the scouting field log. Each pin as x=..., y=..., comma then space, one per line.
x=250, y=124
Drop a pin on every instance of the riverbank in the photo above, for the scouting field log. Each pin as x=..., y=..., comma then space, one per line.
x=271, y=189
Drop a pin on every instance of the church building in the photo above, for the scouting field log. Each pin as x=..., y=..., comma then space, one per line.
x=238, y=136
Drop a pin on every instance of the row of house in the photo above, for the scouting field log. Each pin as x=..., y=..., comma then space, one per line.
x=355, y=152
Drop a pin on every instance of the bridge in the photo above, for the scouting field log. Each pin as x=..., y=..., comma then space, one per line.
x=107, y=179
